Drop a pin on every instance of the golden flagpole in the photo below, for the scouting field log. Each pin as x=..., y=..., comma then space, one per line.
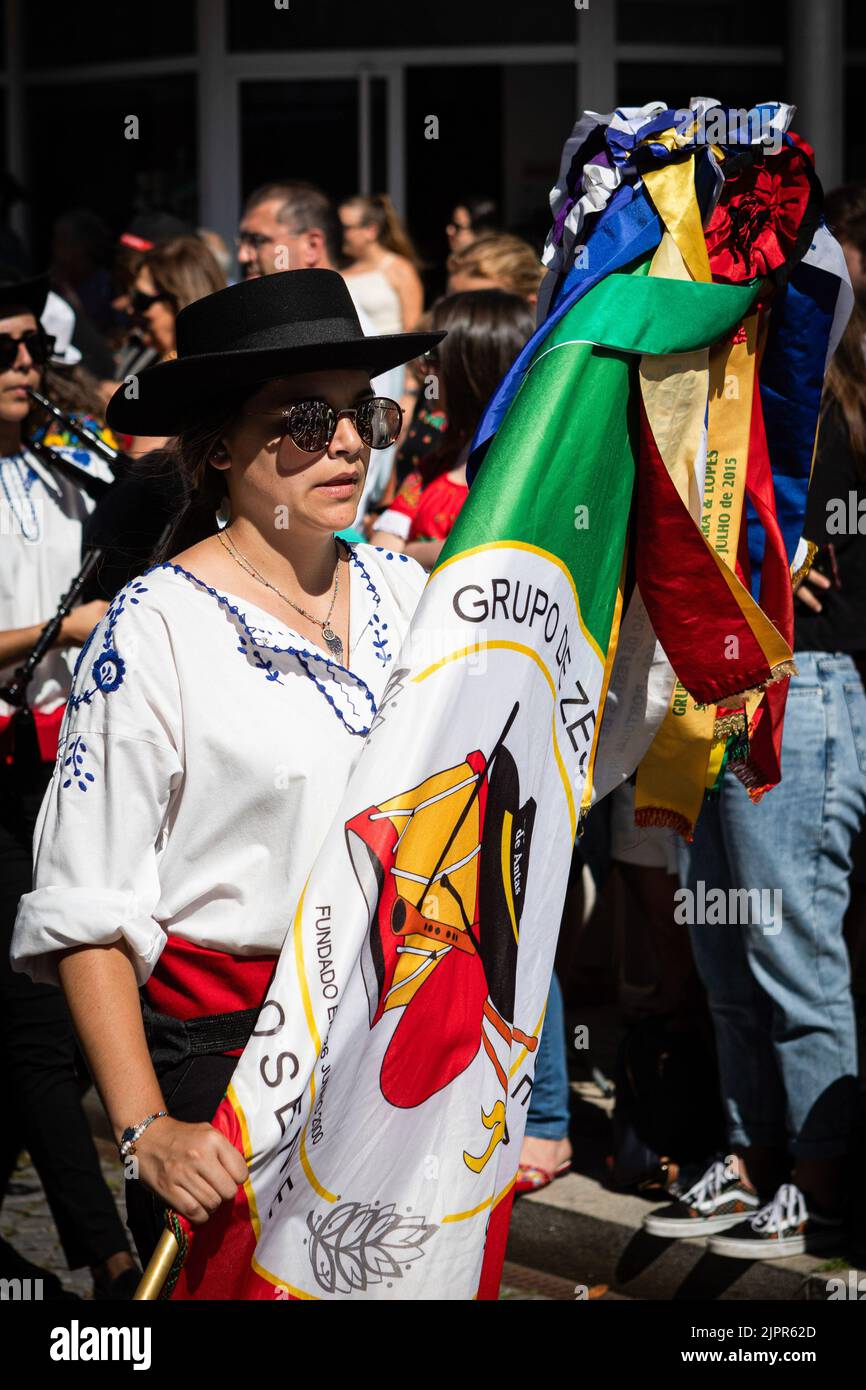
x=159, y=1268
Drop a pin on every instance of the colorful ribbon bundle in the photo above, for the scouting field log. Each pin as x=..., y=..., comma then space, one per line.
x=692, y=242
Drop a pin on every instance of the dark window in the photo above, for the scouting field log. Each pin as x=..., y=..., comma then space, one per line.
x=102, y=31
x=736, y=85
x=670, y=22
x=855, y=144
x=855, y=24
x=378, y=134
x=78, y=130
x=538, y=116
x=466, y=159
x=300, y=130
x=327, y=24
x=13, y=252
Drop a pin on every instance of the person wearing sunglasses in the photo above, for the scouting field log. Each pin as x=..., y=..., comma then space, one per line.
x=470, y=219
x=42, y=514
x=217, y=714
x=293, y=225
x=170, y=276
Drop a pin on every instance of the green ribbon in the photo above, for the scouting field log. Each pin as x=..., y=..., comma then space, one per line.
x=645, y=313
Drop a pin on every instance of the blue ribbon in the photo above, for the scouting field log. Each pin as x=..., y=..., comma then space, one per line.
x=792, y=378
x=627, y=229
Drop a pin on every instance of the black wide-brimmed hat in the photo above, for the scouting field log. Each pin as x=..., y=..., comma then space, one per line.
x=293, y=321
x=16, y=292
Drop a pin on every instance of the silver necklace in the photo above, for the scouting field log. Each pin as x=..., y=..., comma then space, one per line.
x=334, y=644
x=26, y=480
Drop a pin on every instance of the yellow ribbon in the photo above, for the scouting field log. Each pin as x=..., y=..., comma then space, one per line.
x=683, y=760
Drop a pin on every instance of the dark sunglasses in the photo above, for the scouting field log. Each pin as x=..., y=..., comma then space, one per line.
x=39, y=347
x=141, y=302
x=311, y=424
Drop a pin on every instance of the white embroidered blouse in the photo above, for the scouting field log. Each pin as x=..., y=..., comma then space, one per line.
x=42, y=514
x=203, y=755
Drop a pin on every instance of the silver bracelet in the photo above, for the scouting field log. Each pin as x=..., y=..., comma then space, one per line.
x=133, y=1133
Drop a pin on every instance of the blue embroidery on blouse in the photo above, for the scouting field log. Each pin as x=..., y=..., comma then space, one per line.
x=258, y=660
x=108, y=670
x=390, y=555
x=107, y=673
x=380, y=641
x=248, y=646
x=75, y=761
x=377, y=597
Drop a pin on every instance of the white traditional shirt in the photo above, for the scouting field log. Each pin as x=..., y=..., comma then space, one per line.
x=203, y=756
x=42, y=513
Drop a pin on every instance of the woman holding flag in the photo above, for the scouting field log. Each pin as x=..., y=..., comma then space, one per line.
x=216, y=714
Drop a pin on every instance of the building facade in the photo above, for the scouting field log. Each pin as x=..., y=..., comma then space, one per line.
x=429, y=102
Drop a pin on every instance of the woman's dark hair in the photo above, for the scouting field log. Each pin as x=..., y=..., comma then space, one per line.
x=486, y=330
x=74, y=389
x=845, y=384
x=202, y=487
x=483, y=213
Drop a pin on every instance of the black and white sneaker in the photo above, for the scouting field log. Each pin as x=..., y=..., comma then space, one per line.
x=717, y=1200
x=783, y=1227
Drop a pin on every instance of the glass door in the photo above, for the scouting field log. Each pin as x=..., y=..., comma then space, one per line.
x=301, y=128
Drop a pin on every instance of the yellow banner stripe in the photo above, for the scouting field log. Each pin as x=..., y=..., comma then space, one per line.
x=482, y=1206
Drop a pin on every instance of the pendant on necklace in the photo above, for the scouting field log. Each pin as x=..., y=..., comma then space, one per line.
x=334, y=644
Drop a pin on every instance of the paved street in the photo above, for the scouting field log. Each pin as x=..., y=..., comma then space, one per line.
x=577, y=1232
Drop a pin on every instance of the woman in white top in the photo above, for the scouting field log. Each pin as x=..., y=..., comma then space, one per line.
x=45, y=497
x=216, y=714
x=42, y=512
x=383, y=279
x=383, y=273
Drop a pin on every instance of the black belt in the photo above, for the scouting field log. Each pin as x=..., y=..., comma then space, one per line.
x=174, y=1040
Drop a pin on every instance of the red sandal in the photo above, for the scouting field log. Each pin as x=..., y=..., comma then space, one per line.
x=531, y=1178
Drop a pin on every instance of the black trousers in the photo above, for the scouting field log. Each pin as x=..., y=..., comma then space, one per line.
x=41, y=1074
x=193, y=1090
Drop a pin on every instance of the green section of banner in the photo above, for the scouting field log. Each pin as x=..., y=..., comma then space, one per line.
x=559, y=474
x=560, y=471
x=648, y=314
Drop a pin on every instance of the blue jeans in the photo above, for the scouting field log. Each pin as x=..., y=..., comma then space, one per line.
x=548, y=1115
x=779, y=989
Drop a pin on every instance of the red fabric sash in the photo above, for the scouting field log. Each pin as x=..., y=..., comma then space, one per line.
x=47, y=732
x=764, y=768
x=673, y=561
x=191, y=981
